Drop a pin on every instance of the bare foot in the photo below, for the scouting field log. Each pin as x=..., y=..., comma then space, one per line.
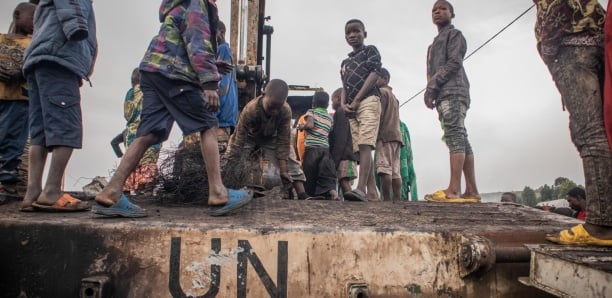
x=107, y=197
x=470, y=195
x=218, y=198
x=599, y=232
x=451, y=194
x=48, y=198
x=373, y=198
x=333, y=195
x=30, y=197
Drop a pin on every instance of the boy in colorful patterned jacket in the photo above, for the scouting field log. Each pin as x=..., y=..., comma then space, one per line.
x=179, y=80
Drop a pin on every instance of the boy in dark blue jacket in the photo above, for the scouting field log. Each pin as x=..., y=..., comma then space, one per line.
x=60, y=57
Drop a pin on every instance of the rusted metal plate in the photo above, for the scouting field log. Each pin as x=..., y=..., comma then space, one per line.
x=568, y=271
x=270, y=248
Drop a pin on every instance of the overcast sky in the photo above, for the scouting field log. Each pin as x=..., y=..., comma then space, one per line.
x=516, y=125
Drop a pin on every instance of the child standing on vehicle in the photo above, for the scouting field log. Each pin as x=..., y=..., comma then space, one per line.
x=179, y=79
x=60, y=57
x=341, y=145
x=361, y=103
x=317, y=164
x=448, y=90
x=389, y=141
x=13, y=99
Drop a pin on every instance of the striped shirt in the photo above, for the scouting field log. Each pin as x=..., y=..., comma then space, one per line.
x=318, y=136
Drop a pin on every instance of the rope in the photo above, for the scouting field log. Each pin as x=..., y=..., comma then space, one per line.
x=477, y=49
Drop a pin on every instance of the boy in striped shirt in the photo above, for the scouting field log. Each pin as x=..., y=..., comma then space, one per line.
x=318, y=164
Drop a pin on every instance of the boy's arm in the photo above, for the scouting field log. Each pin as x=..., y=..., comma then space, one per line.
x=369, y=83
x=73, y=16
x=455, y=51
x=224, y=55
x=283, y=141
x=196, y=36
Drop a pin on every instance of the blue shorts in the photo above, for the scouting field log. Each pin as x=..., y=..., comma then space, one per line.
x=55, y=106
x=165, y=101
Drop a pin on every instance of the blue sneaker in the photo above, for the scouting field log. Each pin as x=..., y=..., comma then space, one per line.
x=237, y=199
x=123, y=208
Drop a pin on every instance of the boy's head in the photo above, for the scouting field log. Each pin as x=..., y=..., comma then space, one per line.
x=354, y=33
x=135, y=77
x=336, y=99
x=384, y=77
x=220, y=32
x=275, y=96
x=320, y=100
x=576, y=197
x=23, y=17
x=442, y=13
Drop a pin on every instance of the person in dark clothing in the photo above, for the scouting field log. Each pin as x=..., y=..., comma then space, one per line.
x=340, y=145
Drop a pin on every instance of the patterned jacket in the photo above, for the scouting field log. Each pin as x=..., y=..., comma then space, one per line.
x=568, y=22
x=185, y=47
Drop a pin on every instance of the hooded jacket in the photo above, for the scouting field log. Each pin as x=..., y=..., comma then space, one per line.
x=64, y=33
x=185, y=47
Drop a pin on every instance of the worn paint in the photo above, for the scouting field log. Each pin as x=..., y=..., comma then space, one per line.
x=280, y=249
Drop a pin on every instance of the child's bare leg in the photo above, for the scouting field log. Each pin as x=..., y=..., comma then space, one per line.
x=345, y=185
x=385, y=181
x=456, y=167
x=299, y=188
x=38, y=157
x=113, y=190
x=365, y=166
x=53, y=188
x=396, y=184
x=372, y=191
x=217, y=193
x=470, y=177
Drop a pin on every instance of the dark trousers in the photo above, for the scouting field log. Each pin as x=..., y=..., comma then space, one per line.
x=320, y=171
x=13, y=136
x=578, y=74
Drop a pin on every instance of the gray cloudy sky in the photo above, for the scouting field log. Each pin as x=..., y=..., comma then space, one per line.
x=516, y=125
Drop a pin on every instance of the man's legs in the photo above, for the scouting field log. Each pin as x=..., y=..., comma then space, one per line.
x=386, y=184
x=396, y=184
x=217, y=193
x=578, y=77
x=113, y=190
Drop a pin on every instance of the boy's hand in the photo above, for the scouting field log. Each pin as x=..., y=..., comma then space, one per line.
x=8, y=76
x=430, y=100
x=212, y=100
x=348, y=111
x=286, y=178
x=224, y=67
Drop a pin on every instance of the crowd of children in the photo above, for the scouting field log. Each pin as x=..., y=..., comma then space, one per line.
x=187, y=76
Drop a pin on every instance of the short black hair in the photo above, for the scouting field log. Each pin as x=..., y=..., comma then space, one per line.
x=320, y=99
x=277, y=88
x=450, y=6
x=513, y=195
x=577, y=192
x=221, y=26
x=385, y=74
x=355, y=21
x=337, y=92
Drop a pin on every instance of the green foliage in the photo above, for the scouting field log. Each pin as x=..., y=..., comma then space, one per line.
x=546, y=193
x=528, y=197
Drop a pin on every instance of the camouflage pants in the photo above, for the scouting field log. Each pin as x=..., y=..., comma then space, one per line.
x=578, y=74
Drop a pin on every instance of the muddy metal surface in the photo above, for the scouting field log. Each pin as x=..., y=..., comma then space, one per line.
x=277, y=248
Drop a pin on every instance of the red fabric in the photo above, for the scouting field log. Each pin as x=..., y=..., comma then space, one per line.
x=608, y=76
x=581, y=215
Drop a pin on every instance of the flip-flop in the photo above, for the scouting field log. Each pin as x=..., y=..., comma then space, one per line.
x=355, y=195
x=440, y=196
x=237, y=199
x=66, y=203
x=316, y=198
x=577, y=236
x=122, y=208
